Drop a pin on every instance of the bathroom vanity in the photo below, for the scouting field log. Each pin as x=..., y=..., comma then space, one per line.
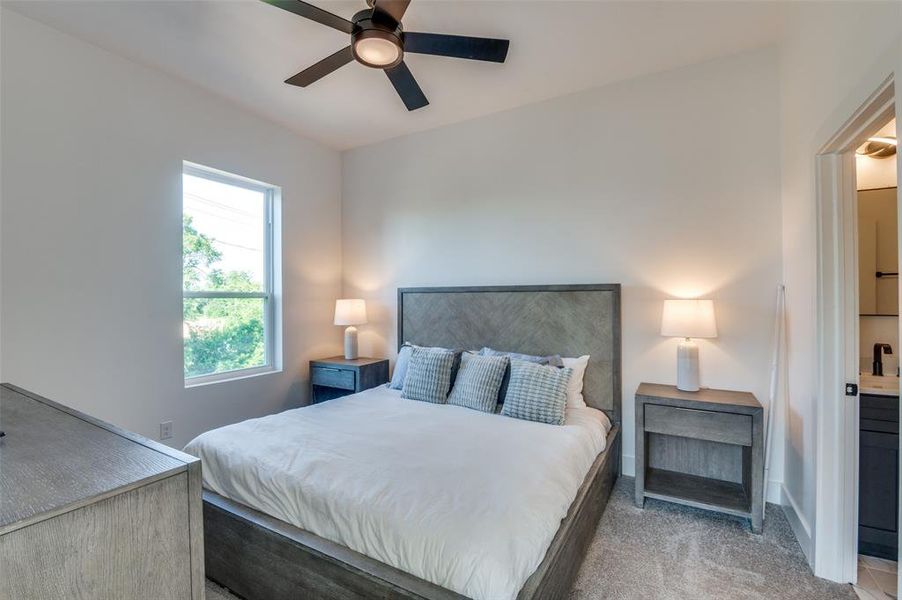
x=878, y=471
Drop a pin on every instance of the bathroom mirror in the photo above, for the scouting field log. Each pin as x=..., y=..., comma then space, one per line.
x=878, y=263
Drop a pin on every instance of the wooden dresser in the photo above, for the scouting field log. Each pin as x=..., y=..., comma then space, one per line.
x=88, y=510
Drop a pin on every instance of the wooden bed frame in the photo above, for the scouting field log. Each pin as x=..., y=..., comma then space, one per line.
x=262, y=558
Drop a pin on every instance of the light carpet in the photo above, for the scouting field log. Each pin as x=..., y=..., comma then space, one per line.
x=670, y=552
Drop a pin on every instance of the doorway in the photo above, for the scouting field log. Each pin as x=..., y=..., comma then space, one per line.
x=841, y=357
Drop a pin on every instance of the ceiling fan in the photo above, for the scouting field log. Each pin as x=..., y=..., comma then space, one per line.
x=379, y=41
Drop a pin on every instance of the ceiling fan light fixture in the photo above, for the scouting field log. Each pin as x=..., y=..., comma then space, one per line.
x=879, y=147
x=377, y=49
x=379, y=41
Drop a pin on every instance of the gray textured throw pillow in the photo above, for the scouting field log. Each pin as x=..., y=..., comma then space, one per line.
x=478, y=381
x=428, y=375
x=554, y=360
x=537, y=393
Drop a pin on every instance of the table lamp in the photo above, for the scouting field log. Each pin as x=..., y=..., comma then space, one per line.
x=688, y=319
x=350, y=312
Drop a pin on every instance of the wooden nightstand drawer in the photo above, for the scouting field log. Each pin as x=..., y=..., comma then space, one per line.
x=334, y=378
x=727, y=428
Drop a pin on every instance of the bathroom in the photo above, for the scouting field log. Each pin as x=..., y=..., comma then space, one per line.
x=878, y=294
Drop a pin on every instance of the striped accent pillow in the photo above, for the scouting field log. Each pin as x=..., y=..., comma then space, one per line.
x=537, y=393
x=554, y=360
x=478, y=381
x=428, y=375
x=400, y=372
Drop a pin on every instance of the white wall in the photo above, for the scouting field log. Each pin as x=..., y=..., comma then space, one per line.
x=874, y=173
x=668, y=184
x=833, y=57
x=91, y=234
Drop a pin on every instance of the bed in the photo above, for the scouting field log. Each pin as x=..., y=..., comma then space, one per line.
x=373, y=496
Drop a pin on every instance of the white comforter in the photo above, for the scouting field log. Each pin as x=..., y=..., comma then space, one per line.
x=467, y=500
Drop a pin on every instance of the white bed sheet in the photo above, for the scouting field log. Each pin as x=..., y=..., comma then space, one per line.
x=467, y=500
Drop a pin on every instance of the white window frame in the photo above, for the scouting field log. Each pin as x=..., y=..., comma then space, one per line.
x=272, y=354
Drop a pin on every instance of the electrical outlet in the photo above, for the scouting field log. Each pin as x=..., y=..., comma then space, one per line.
x=165, y=430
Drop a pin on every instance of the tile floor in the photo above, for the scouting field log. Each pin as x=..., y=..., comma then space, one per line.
x=876, y=578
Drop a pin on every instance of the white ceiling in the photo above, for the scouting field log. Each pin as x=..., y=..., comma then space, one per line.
x=244, y=50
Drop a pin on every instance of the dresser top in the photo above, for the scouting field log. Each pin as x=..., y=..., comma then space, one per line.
x=707, y=395
x=55, y=459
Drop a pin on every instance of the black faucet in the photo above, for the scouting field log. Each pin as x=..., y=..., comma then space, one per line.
x=879, y=349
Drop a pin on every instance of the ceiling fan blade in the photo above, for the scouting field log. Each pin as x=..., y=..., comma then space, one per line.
x=314, y=14
x=393, y=8
x=406, y=86
x=322, y=68
x=456, y=46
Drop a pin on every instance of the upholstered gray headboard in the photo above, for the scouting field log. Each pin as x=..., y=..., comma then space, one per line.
x=570, y=320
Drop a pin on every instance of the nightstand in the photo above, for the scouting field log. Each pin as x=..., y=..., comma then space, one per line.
x=338, y=376
x=703, y=449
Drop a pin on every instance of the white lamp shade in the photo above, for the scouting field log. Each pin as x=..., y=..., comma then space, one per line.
x=689, y=319
x=350, y=312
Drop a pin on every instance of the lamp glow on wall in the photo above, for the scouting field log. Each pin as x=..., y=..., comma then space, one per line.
x=350, y=312
x=688, y=319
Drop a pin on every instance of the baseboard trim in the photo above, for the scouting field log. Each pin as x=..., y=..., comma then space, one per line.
x=774, y=492
x=629, y=465
x=799, y=525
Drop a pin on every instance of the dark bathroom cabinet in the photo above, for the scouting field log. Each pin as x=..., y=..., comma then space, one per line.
x=878, y=476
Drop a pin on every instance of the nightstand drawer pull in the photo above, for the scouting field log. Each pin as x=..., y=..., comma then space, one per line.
x=727, y=428
x=335, y=378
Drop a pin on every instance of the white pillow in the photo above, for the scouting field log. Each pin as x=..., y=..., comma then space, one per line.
x=575, y=385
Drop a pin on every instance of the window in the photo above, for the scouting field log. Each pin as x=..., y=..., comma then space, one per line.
x=229, y=308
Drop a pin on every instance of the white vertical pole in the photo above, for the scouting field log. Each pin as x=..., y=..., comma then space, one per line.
x=773, y=394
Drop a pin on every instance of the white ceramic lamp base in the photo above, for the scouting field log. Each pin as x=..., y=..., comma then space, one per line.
x=351, y=342
x=687, y=366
